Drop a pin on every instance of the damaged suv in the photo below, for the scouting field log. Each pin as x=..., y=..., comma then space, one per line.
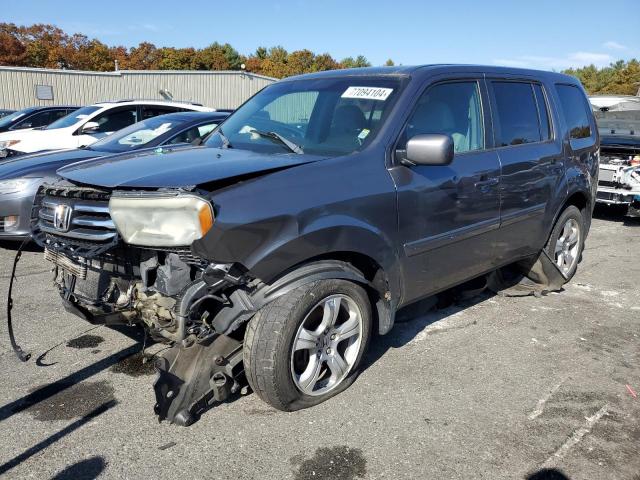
x=619, y=181
x=326, y=202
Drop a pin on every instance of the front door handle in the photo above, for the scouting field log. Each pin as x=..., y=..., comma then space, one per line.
x=485, y=183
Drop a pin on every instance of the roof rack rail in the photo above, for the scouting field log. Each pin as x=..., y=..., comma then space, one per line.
x=188, y=102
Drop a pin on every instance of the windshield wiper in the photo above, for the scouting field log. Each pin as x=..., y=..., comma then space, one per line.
x=225, y=141
x=280, y=139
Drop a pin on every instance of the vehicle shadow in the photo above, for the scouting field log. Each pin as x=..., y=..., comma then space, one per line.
x=615, y=213
x=17, y=460
x=547, y=474
x=88, y=469
x=14, y=245
x=415, y=318
x=48, y=391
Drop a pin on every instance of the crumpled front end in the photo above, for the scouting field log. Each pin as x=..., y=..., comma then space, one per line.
x=180, y=299
x=619, y=181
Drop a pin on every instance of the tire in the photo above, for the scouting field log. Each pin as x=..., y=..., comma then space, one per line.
x=277, y=371
x=571, y=219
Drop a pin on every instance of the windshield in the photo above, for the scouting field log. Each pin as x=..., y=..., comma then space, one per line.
x=325, y=116
x=136, y=135
x=12, y=117
x=72, y=118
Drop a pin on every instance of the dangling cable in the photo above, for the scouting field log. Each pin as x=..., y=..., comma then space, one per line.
x=24, y=357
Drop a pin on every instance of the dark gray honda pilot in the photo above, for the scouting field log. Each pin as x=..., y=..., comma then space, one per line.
x=318, y=209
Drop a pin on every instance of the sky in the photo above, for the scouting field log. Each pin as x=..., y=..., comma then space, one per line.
x=550, y=35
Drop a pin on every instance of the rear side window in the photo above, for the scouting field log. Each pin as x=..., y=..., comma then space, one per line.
x=574, y=109
x=517, y=114
x=149, y=111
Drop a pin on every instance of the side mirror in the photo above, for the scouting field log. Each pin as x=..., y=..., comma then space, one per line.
x=429, y=149
x=90, y=127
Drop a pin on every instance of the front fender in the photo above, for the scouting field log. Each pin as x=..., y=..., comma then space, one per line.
x=244, y=305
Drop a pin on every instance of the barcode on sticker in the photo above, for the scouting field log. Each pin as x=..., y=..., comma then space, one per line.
x=367, y=93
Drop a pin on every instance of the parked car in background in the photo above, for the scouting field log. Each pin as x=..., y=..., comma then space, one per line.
x=619, y=126
x=33, y=117
x=88, y=125
x=20, y=177
x=4, y=112
x=327, y=202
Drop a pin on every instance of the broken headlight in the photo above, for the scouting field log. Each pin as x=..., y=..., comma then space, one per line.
x=161, y=221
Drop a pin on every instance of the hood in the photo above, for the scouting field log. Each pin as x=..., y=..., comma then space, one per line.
x=177, y=168
x=23, y=134
x=43, y=164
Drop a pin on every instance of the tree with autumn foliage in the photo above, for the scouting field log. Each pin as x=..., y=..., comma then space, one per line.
x=47, y=46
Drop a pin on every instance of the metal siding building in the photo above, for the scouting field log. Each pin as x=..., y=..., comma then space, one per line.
x=216, y=89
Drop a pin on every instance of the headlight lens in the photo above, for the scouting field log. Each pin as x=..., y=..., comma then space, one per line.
x=17, y=185
x=161, y=221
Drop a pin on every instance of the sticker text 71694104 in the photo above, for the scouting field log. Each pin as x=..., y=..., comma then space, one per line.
x=367, y=93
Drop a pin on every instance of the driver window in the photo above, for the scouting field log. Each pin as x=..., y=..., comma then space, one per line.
x=453, y=109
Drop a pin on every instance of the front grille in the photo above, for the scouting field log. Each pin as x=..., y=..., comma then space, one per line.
x=87, y=220
x=74, y=220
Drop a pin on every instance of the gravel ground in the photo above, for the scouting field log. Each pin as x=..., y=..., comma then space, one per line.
x=493, y=387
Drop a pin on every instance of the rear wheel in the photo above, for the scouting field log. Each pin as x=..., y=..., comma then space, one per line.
x=567, y=241
x=307, y=345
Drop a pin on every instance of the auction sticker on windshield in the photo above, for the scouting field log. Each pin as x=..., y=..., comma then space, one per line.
x=367, y=93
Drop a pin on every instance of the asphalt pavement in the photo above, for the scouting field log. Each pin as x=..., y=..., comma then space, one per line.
x=489, y=387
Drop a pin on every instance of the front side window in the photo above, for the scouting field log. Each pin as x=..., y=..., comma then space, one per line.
x=73, y=118
x=452, y=109
x=326, y=116
x=115, y=120
x=517, y=114
x=575, y=111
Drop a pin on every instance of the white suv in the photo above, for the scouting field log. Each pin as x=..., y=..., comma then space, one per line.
x=88, y=124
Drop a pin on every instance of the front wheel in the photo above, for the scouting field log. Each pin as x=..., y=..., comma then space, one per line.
x=567, y=241
x=307, y=345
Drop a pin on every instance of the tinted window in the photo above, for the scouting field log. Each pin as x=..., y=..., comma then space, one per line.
x=516, y=112
x=543, y=112
x=42, y=119
x=574, y=109
x=149, y=111
x=452, y=109
x=73, y=118
x=115, y=120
